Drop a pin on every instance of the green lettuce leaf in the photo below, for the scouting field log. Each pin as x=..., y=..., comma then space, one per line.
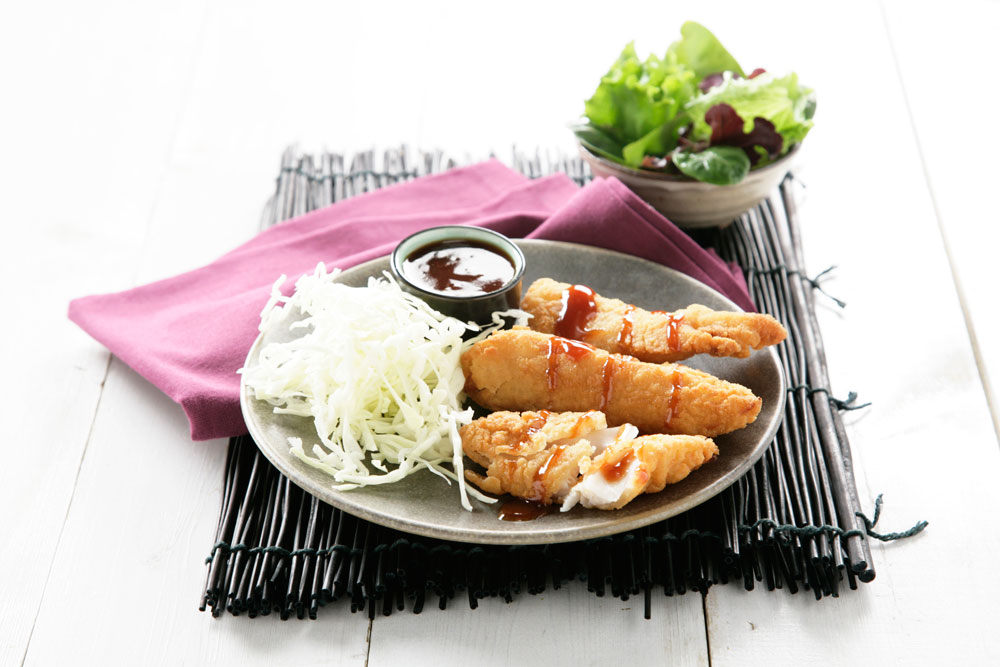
x=598, y=142
x=700, y=50
x=658, y=141
x=782, y=101
x=719, y=165
x=636, y=99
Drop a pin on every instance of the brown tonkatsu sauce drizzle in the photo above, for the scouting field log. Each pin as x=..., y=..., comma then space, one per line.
x=516, y=509
x=573, y=349
x=624, y=341
x=578, y=309
x=608, y=380
x=613, y=472
x=580, y=421
x=674, y=332
x=536, y=425
x=675, y=394
x=673, y=329
x=538, y=484
x=553, y=459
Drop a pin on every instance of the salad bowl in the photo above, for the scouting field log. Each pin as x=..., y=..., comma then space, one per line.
x=703, y=119
x=689, y=203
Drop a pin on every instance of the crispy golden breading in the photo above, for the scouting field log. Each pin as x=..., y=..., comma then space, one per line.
x=643, y=465
x=525, y=433
x=520, y=369
x=652, y=336
x=670, y=459
x=572, y=458
x=522, y=455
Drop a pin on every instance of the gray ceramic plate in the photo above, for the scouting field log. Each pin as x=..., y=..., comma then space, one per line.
x=424, y=504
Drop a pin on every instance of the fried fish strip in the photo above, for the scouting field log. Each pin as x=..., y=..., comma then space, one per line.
x=655, y=337
x=532, y=455
x=525, y=433
x=643, y=465
x=520, y=369
x=572, y=458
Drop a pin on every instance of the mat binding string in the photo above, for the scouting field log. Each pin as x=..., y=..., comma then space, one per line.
x=793, y=522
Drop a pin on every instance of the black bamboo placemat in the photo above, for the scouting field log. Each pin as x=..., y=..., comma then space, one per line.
x=793, y=522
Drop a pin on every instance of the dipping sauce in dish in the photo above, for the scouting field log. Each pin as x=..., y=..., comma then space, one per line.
x=459, y=268
x=469, y=273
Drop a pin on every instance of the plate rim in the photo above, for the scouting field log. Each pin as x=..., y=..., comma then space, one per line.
x=289, y=465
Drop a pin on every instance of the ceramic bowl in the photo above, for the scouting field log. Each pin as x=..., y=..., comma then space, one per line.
x=475, y=308
x=693, y=204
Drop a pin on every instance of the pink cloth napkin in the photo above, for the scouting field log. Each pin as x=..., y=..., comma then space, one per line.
x=189, y=334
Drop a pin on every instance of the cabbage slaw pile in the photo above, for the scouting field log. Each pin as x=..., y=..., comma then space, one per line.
x=379, y=373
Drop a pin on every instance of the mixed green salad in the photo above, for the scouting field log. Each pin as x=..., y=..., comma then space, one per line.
x=694, y=112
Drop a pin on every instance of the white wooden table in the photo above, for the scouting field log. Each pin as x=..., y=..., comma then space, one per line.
x=139, y=142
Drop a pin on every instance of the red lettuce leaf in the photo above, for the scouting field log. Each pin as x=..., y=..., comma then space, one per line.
x=727, y=130
x=709, y=82
x=713, y=80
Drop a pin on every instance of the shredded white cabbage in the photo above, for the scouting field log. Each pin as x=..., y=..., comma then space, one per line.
x=379, y=373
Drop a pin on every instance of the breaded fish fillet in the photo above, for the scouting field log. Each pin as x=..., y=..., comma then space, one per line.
x=532, y=455
x=525, y=433
x=575, y=311
x=520, y=369
x=541, y=456
x=643, y=465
